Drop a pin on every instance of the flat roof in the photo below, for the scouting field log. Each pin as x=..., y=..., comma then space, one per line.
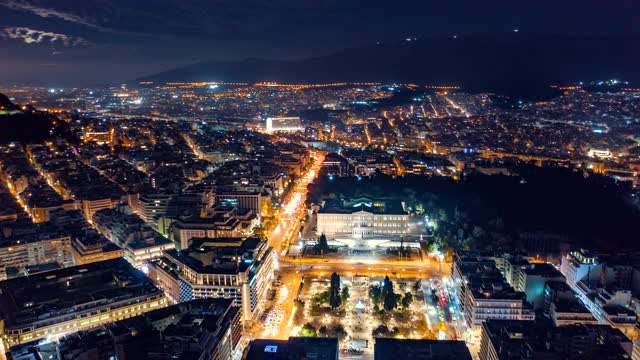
x=229, y=256
x=401, y=349
x=296, y=348
x=382, y=207
x=54, y=293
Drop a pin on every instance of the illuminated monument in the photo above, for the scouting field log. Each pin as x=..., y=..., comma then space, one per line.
x=291, y=123
x=363, y=223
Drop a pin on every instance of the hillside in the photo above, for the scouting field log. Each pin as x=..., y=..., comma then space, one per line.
x=511, y=63
x=26, y=124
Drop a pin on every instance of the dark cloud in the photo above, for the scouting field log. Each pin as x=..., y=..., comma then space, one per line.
x=135, y=32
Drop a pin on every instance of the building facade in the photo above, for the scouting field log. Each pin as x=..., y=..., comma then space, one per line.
x=362, y=218
x=241, y=270
x=74, y=299
x=484, y=294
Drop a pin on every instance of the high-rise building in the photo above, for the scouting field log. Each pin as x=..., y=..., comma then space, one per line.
x=484, y=294
x=580, y=266
x=197, y=329
x=19, y=253
x=228, y=268
x=150, y=206
x=241, y=199
x=138, y=240
x=93, y=247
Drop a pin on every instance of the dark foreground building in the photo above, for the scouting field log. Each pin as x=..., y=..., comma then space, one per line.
x=73, y=299
x=513, y=339
x=195, y=330
x=296, y=348
x=401, y=349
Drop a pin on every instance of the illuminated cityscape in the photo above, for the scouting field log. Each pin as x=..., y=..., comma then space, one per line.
x=455, y=192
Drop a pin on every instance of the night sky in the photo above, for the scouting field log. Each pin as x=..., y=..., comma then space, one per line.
x=80, y=42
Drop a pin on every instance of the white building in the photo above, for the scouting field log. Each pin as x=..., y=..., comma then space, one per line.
x=580, y=266
x=363, y=218
x=289, y=123
x=484, y=294
x=150, y=206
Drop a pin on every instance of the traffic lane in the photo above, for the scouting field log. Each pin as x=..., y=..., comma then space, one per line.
x=325, y=271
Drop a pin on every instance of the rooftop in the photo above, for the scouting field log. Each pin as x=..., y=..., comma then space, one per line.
x=401, y=349
x=513, y=339
x=70, y=290
x=218, y=256
x=180, y=332
x=382, y=207
x=296, y=348
x=544, y=270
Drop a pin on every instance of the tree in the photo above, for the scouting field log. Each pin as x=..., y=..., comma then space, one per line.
x=395, y=331
x=387, y=286
x=381, y=330
x=407, y=300
x=334, y=292
x=308, y=330
x=417, y=285
x=375, y=294
x=322, y=297
x=339, y=331
x=345, y=294
x=323, y=245
x=390, y=301
x=323, y=330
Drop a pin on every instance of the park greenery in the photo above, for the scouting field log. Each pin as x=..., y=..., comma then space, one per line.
x=511, y=213
x=385, y=295
x=390, y=307
x=335, y=300
x=331, y=300
x=308, y=330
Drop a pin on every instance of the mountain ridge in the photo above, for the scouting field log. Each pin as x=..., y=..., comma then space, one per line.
x=501, y=63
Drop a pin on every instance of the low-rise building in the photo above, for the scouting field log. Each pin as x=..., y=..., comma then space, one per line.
x=139, y=241
x=93, y=247
x=363, y=217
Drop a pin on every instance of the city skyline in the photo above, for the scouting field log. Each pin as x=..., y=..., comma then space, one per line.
x=245, y=180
